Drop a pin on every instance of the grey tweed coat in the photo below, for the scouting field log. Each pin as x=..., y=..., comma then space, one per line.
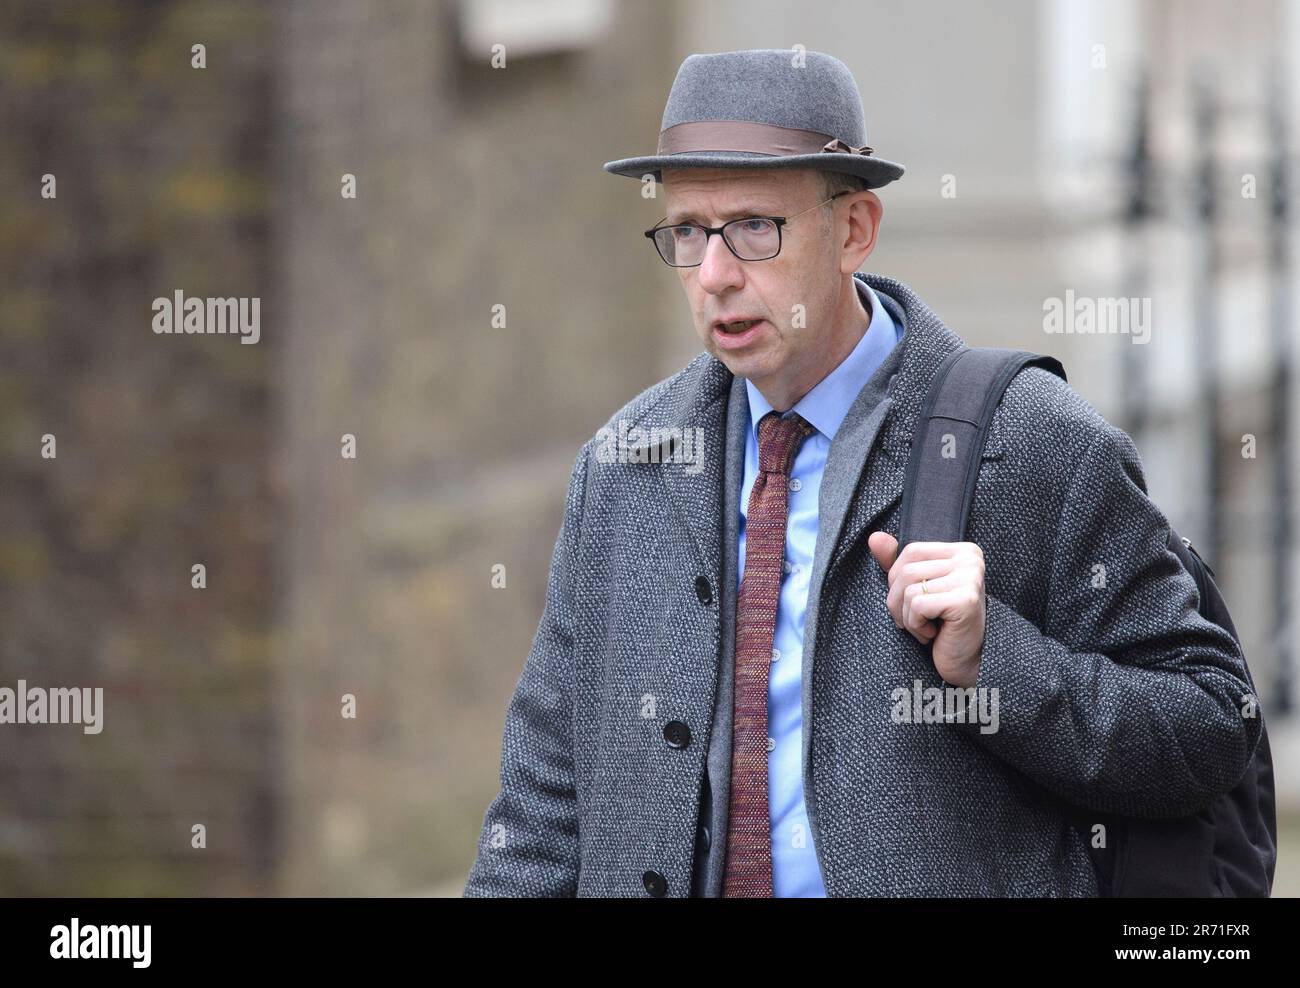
x=1119, y=697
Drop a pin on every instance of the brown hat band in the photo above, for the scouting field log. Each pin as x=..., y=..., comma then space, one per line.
x=745, y=135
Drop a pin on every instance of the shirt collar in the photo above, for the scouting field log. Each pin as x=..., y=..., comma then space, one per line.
x=825, y=406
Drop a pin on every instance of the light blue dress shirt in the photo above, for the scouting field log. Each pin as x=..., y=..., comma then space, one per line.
x=794, y=862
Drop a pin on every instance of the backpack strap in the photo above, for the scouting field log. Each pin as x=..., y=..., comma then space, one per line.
x=940, y=482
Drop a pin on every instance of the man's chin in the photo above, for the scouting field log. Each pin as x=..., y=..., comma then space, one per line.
x=741, y=363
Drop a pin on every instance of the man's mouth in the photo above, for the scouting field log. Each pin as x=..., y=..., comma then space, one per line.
x=737, y=333
x=736, y=327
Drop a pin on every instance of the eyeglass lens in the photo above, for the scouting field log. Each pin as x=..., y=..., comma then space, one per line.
x=752, y=239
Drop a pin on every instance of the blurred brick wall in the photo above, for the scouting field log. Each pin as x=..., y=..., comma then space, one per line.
x=163, y=443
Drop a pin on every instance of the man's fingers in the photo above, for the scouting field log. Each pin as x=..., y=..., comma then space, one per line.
x=904, y=576
x=920, y=609
x=933, y=585
x=920, y=627
x=940, y=606
x=943, y=566
x=937, y=550
x=920, y=569
x=915, y=619
x=884, y=547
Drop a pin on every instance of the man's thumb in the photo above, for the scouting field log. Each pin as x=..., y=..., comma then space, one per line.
x=884, y=547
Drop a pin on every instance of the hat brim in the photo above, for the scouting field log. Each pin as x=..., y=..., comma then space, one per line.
x=875, y=171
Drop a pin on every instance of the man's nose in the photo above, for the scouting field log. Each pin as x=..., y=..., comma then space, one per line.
x=720, y=269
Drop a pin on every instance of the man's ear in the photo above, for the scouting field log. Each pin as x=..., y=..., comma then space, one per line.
x=864, y=213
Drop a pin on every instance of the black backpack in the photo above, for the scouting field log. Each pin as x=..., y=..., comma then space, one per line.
x=1227, y=849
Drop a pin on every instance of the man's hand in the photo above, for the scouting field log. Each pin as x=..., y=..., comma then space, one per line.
x=954, y=582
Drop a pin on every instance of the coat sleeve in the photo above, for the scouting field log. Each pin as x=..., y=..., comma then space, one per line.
x=529, y=842
x=1128, y=701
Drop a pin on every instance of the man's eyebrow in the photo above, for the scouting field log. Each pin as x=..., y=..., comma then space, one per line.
x=689, y=216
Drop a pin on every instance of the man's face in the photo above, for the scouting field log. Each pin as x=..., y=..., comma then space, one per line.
x=791, y=295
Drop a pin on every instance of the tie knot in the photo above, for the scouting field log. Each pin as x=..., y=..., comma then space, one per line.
x=778, y=441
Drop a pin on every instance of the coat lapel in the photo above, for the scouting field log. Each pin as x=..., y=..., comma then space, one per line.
x=849, y=453
x=697, y=403
x=719, y=757
x=880, y=458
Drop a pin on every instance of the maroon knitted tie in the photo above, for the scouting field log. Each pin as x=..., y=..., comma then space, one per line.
x=749, y=829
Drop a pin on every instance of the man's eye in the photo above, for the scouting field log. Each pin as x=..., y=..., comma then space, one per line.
x=684, y=232
x=754, y=225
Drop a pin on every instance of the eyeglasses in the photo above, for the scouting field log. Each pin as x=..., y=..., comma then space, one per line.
x=750, y=238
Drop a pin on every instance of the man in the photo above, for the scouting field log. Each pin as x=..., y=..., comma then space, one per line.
x=719, y=698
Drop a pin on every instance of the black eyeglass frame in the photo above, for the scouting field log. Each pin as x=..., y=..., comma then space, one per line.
x=708, y=231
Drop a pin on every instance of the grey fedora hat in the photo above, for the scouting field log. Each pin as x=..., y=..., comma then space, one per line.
x=765, y=108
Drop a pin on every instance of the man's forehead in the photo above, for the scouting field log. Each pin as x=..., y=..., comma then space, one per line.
x=690, y=192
